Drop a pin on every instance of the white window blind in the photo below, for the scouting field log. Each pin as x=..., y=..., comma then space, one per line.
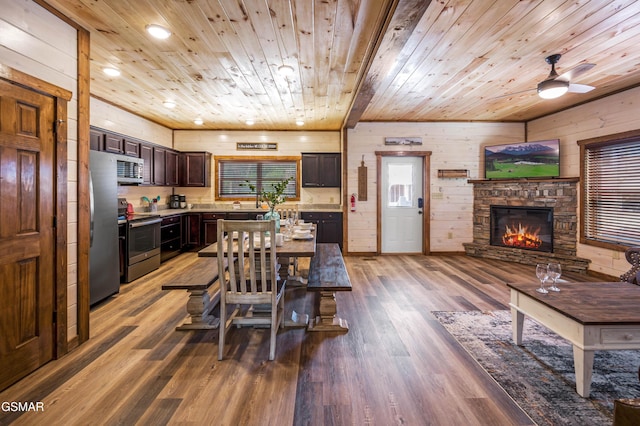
x=263, y=174
x=612, y=193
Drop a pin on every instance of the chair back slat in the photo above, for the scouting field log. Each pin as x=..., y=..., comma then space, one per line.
x=288, y=212
x=255, y=255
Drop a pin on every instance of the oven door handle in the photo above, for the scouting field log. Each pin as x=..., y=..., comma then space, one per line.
x=144, y=223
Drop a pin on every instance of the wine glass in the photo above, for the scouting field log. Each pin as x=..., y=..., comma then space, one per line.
x=542, y=274
x=554, y=270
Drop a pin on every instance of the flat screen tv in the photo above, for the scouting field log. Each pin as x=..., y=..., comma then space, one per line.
x=522, y=160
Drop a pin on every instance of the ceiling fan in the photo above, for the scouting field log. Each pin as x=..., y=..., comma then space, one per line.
x=556, y=85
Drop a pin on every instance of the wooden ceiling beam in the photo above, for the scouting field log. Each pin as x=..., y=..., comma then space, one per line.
x=405, y=16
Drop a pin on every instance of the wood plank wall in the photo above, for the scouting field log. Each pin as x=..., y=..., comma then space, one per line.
x=43, y=46
x=610, y=115
x=453, y=146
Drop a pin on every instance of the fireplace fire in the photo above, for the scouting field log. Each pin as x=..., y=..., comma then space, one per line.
x=521, y=237
x=529, y=228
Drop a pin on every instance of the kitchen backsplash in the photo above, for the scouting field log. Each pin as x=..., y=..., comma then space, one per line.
x=313, y=198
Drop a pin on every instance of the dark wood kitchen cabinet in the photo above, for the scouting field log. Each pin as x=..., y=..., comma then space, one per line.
x=131, y=147
x=321, y=170
x=159, y=165
x=210, y=226
x=328, y=225
x=96, y=139
x=113, y=143
x=170, y=237
x=171, y=168
x=146, y=153
x=195, y=169
x=192, y=238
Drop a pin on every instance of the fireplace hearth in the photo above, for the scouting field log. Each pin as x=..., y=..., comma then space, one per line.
x=527, y=228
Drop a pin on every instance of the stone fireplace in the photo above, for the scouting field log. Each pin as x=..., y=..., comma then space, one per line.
x=548, y=208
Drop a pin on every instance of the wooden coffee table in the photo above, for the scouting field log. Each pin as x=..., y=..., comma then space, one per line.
x=592, y=316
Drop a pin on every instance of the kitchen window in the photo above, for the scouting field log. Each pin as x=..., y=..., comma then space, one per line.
x=262, y=172
x=610, y=172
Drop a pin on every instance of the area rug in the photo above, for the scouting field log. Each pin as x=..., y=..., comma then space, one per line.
x=539, y=375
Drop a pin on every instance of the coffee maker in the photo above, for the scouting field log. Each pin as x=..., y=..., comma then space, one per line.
x=183, y=201
x=174, y=201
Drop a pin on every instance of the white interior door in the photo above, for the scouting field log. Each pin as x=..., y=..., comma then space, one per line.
x=402, y=205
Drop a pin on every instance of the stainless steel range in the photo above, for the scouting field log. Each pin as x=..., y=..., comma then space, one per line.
x=142, y=244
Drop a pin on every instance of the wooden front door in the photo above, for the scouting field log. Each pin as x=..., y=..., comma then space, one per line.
x=27, y=237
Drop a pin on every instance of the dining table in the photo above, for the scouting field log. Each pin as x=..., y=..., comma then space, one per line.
x=291, y=248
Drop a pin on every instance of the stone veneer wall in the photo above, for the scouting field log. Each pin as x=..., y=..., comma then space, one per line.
x=560, y=194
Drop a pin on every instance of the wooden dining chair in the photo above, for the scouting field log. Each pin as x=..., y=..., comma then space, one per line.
x=290, y=212
x=252, y=287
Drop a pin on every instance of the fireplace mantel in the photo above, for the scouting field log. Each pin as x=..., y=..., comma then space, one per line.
x=557, y=193
x=525, y=180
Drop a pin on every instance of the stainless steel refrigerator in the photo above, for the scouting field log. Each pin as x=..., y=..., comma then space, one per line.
x=104, y=266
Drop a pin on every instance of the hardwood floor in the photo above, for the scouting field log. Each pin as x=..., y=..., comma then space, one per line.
x=396, y=365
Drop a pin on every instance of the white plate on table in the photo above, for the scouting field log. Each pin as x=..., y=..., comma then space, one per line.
x=302, y=237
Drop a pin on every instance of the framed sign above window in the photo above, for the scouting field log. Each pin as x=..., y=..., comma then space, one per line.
x=256, y=146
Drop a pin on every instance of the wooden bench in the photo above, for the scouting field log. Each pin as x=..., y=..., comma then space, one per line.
x=201, y=281
x=328, y=274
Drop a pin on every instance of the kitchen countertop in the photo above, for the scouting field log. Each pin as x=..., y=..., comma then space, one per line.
x=229, y=209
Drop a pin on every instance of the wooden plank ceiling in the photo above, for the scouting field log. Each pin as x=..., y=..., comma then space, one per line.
x=352, y=60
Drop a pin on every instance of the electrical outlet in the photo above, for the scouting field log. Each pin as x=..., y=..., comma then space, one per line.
x=616, y=255
x=450, y=235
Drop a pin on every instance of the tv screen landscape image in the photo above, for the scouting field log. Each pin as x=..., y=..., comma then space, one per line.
x=522, y=160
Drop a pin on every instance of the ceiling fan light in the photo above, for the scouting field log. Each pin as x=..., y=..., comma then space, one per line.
x=158, y=31
x=551, y=89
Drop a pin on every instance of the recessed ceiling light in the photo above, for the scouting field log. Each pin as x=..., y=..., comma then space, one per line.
x=286, y=70
x=158, y=31
x=198, y=121
x=249, y=122
x=169, y=104
x=111, y=71
x=300, y=123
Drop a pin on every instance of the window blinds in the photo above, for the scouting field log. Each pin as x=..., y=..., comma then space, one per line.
x=234, y=174
x=612, y=193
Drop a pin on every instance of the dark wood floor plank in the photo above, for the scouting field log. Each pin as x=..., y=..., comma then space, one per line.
x=396, y=365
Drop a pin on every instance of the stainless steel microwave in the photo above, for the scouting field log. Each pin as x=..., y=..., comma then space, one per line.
x=129, y=170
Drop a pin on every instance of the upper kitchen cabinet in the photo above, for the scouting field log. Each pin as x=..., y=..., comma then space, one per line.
x=171, y=168
x=163, y=167
x=96, y=139
x=195, y=169
x=114, y=143
x=102, y=140
x=321, y=170
x=159, y=165
x=146, y=153
x=131, y=147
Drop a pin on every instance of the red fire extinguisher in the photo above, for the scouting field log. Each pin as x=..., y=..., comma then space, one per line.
x=353, y=202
